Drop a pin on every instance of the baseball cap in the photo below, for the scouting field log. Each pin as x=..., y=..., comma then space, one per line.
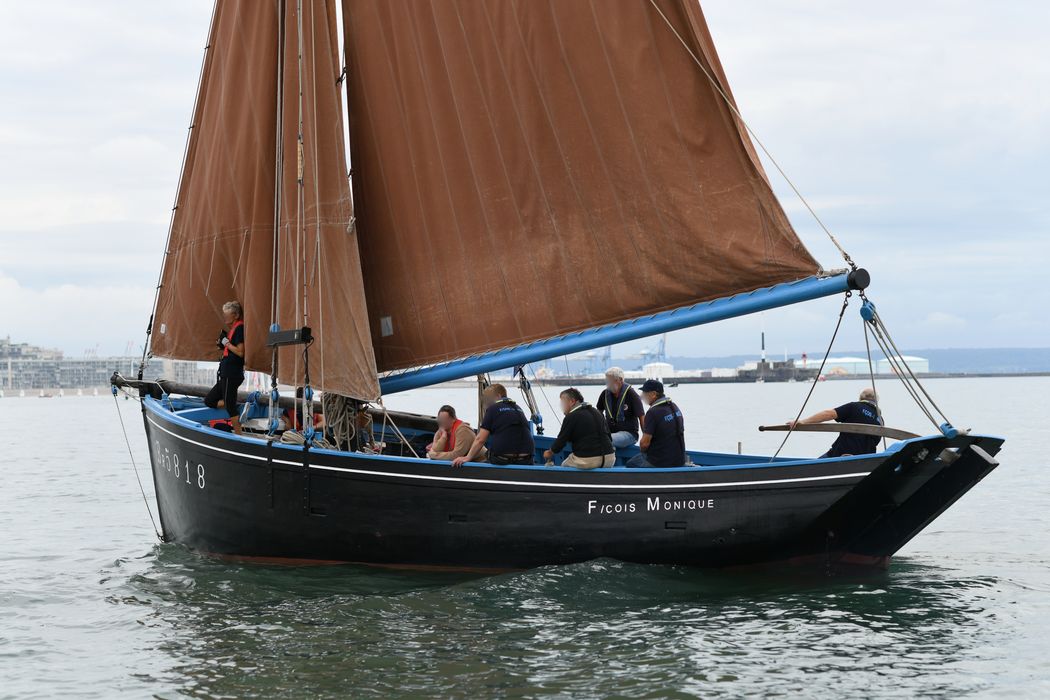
x=653, y=385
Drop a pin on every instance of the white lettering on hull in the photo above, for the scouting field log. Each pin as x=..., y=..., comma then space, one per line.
x=653, y=504
x=610, y=508
x=181, y=469
x=656, y=503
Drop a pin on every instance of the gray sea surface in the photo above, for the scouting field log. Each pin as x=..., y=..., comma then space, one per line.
x=92, y=606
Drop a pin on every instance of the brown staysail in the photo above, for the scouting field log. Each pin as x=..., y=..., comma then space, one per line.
x=528, y=168
x=317, y=250
x=222, y=241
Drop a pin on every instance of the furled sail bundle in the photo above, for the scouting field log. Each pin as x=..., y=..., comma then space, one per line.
x=287, y=253
x=526, y=169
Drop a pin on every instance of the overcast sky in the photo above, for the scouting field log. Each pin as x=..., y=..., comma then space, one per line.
x=919, y=131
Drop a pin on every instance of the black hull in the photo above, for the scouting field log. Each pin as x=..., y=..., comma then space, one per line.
x=245, y=498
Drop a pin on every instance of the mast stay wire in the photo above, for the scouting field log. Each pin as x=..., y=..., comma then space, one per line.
x=904, y=372
x=896, y=369
x=816, y=377
x=881, y=329
x=751, y=132
x=871, y=374
x=134, y=466
x=543, y=391
x=278, y=182
x=300, y=198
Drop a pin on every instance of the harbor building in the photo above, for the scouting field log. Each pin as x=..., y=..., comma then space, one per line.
x=29, y=367
x=849, y=366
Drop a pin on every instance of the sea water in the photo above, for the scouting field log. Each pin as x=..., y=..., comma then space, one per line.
x=91, y=606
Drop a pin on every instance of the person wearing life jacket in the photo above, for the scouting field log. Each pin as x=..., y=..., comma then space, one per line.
x=865, y=410
x=294, y=416
x=507, y=426
x=663, y=437
x=622, y=408
x=453, y=437
x=231, y=364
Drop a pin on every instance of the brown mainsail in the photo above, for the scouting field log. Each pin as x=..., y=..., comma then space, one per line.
x=222, y=244
x=524, y=169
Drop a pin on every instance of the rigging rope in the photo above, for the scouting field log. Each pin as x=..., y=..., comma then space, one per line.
x=134, y=466
x=278, y=181
x=397, y=431
x=340, y=419
x=543, y=391
x=733, y=108
x=881, y=327
x=871, y=373
x=816, y=377
x=903, y=375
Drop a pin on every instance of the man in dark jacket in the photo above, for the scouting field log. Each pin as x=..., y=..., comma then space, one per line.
x=663, y=437
x=622, y=408
x=508, y=427
x=866, y=411
x=586, y=430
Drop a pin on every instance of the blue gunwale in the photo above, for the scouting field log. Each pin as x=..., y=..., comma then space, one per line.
x=175, y=415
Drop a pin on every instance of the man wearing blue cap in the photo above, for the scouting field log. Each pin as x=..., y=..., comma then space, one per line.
x=663, y=432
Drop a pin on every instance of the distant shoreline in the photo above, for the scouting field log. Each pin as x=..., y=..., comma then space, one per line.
x=573, y=381
x=596, y=381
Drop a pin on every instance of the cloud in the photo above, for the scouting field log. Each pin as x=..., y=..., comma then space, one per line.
x=75, y=317
x=917, y=131
x=941, y=319
x=46, y=207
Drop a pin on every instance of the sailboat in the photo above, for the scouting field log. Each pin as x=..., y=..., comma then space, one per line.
x=402, y=194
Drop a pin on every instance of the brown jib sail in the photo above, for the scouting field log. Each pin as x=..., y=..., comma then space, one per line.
x=221, y=241
x=222, y=244
x=317, y=243
x=525, y=168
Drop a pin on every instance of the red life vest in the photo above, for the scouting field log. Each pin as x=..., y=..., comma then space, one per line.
x=292, y=416
x=450, y=444
x=229, y=334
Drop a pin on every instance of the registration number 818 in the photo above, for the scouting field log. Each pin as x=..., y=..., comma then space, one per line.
x=193, y=474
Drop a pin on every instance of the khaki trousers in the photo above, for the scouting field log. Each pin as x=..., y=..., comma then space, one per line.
x=589, y=462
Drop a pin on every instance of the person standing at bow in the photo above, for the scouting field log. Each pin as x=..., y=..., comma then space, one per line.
x=231, y=364
x=622, y=408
